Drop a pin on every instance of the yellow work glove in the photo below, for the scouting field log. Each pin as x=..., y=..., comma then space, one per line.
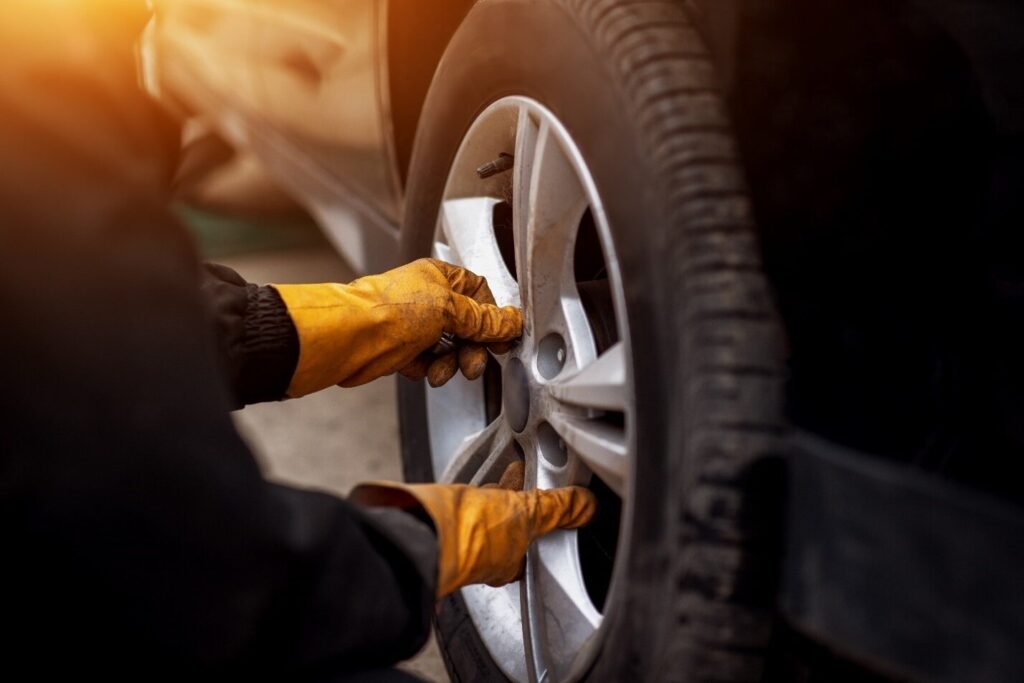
x=483, y=533
x=378, y=325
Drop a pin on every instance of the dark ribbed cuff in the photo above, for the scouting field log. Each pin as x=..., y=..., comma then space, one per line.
x=269, y=349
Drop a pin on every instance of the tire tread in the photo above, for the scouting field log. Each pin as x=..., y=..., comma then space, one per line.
x=732, y=341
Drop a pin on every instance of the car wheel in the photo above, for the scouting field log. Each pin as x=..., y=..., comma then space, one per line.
x=577, y=154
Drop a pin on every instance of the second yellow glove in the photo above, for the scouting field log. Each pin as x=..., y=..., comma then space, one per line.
x=483, y=533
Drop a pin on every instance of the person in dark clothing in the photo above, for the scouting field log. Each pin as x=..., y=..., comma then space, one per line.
x=139, y=537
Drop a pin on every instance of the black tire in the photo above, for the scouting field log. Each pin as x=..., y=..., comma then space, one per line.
x=634, y=84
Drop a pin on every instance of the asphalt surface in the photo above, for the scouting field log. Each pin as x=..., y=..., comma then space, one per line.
x=335, y=439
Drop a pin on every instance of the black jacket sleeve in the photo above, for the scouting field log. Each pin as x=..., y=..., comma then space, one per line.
x=138, y=536
x=258, y=343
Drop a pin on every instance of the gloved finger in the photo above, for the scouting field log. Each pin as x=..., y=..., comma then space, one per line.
x=563, y=508
x=417, y=369
x=466, y=282
x=472, y=361
x=469, y=284
x=512, y=479
x=514, y=476
x=443, y=369
x=500, y=348
x=474, y=321
x=482, y=294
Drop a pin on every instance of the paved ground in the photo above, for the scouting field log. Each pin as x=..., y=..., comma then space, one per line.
x=334, y=439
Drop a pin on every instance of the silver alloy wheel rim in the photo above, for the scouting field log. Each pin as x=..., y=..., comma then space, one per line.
x=568, y=385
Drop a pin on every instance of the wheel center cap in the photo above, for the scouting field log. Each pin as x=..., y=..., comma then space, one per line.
x=516, y=394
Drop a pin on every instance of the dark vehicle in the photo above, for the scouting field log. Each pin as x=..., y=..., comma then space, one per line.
x=604, y=164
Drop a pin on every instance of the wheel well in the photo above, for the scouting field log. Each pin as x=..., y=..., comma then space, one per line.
x=418, y=34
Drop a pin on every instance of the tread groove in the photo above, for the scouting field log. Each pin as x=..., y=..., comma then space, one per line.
x=676, y=100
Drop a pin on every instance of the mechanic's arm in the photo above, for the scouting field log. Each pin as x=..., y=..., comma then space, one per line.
x=138, y=530
x=132, y=509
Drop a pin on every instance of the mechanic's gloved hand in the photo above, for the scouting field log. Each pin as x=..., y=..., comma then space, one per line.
x=483, y=533
x=382, y=324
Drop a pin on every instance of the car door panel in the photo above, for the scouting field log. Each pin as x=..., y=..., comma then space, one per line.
x=205, y=53
x=319, y=72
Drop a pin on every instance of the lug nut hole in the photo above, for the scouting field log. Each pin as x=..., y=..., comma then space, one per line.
x=551, y=356
x=552, y=447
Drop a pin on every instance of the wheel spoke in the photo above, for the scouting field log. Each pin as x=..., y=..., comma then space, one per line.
x=559, y=616
x=444, y=252
x=501, y=456
x=468, y=227
x=496, y=614
x=600, y=385
x=549, y=202
x=522, y=175
x=479, y=455
x=581, y=412
x=601, y=446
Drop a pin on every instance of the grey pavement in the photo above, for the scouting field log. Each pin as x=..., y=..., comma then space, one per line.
x=331, y=440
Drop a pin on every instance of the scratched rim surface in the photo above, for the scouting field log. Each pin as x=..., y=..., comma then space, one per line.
x=559, y=388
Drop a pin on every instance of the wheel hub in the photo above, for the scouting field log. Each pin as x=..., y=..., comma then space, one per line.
x=516, y=394
x=539, y=234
